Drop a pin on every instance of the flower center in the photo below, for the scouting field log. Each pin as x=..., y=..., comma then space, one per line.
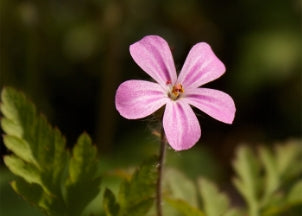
x=175, y=90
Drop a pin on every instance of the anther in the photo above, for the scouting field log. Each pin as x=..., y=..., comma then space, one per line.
x=176, y=91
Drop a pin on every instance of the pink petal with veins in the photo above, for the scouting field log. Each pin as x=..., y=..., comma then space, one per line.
x=181, y=125
x=216, y=104
x=136, y=99
x=153, y=55
x=201, y=66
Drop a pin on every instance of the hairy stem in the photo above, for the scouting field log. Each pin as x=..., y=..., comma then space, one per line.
x=161, y=160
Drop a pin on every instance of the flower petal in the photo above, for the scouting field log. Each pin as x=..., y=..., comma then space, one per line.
x=201, y=66
x=216, y=104
x=181, y=125
x=153, y=55
x=136, y=99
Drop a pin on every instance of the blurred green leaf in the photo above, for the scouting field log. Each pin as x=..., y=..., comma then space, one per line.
x=286, y=155
x=110, y=204
x=278, y=167
x=136, y=195
x=247, y=182
x=32, y=192
x=295, y=194
x=290, y=205
x=10, y=202
x=20, y=168
x=184, y=207
x=233, y=212
x=215, y=203
x=82, y=179
x=271, y=173
x=266, y=185
x=20, y=148
x=179, y=186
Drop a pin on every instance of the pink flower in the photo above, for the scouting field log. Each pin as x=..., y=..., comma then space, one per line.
x=137, y=99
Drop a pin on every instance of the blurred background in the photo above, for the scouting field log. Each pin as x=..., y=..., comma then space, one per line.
x=70, y=56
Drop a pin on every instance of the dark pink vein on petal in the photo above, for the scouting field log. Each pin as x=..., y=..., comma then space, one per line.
x=206, y=100
x=157, y=58
x=196, y=72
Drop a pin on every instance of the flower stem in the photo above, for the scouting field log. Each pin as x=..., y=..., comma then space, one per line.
x=161, y=160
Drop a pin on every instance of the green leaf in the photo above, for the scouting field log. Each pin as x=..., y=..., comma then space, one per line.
x=184, y=207
x=288, y=205
x=248, y=182
x=82, y=179
x=272, y=178
x=286, y=155
x=266, y=192
x=295, y=194
x=32, y=192
x=184, y=195
x=280, y=166
x=179, y=186
x=35, y=195
x=136, y=195
x=111, y=207
x=215, y=203
x=18, y=112
x=21, y=148
x=234, y=212
x=23, y=169
x=39, y=157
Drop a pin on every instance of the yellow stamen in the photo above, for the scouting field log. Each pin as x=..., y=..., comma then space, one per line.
x=176, y=91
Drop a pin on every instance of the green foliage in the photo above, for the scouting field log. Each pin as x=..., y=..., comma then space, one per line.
x=40, y=160
x=136, y=195
x=268, y=185
x=62, y=183
x=247, y=182
x=180, y=194
x=82, y=184
x=110, y=204
x=183, y=207
x=180, y=187
x=215, y=203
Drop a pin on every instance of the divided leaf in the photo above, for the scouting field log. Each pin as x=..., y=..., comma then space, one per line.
x=39, y=158
x=39, y=155
x=111, y=207
x=272, y=179
x=286, y=155
x=20, y=148
x=290, y=205
x=215, y=203
x=63, y=185
x=136, y=195
x=179, y=186
x=247, y=181
x=82, y=177
x=265, y=184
